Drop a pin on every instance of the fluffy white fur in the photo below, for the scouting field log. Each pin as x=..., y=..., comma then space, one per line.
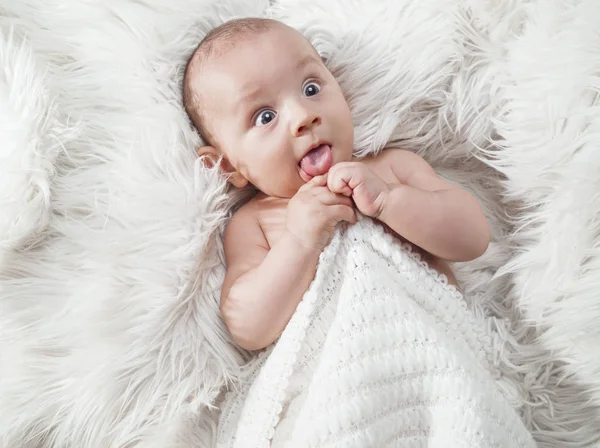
x=31, y=136
x=110, y=230
x=548, y=147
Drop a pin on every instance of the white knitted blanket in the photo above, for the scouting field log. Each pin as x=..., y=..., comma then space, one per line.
x=380, y=352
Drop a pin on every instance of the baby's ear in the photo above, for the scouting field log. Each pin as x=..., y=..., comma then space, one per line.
x=211, y=156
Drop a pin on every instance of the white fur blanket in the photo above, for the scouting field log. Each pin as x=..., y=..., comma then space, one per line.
x=380, y=352
x=110, y=251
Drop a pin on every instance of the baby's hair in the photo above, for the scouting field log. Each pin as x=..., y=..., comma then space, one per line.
x=215, y=43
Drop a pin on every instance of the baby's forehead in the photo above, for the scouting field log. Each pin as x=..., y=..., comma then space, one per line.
x=276, y=50
x=220, y=46
x=291, y=39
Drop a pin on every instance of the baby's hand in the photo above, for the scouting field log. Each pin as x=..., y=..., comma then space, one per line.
x=359, y=181
x=314, y=212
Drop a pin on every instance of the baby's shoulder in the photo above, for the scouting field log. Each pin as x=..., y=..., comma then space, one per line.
x=243, y=222
x=257, y=221
x=248, y=209
x=242, y=219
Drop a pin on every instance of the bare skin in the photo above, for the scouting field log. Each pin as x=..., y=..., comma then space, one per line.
x=271, y=101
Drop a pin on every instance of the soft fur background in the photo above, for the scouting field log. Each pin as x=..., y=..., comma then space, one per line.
x=110, y=256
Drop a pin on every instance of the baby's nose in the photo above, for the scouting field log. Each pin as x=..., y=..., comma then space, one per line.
x=305, y=123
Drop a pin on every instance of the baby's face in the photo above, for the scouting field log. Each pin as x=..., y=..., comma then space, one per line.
x=276, y=112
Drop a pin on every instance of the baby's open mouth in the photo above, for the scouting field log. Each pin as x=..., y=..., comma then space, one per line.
x=316, y=162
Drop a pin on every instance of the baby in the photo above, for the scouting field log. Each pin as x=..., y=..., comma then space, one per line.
x=273, y=116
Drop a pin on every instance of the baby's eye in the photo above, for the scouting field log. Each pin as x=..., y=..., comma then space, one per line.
x=265, y=117
x=311, y=89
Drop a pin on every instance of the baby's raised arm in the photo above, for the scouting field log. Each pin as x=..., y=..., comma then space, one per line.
x=403, y=191
x=263, y=284
x=436, y=215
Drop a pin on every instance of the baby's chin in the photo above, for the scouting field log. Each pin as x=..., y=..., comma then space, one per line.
x=285, y=189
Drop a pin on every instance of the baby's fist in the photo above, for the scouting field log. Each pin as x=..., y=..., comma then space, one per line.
x=314, y=212
x=357, y=180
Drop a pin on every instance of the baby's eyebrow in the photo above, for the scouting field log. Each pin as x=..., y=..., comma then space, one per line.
x=249, y=95
x=309, y=58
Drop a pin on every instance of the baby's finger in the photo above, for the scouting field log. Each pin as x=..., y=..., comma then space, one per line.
x=343, y=213
x=317, y=181
x=328, y=198
x=320, y=181
x=337, y=182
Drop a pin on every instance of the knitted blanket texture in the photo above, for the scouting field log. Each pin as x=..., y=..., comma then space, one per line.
x=381, y=351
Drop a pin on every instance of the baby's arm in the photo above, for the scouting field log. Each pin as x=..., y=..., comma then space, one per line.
x=263, y=285
x=434, y=214
x=402, y=190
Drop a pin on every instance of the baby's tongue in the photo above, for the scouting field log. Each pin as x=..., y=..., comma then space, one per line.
x=317, y=162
